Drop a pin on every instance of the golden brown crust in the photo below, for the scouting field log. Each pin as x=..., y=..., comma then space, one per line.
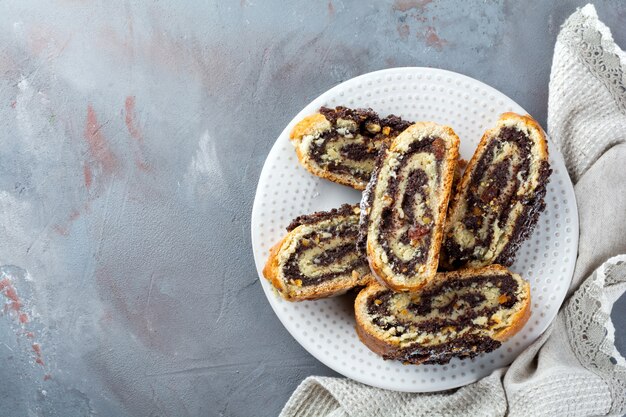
x=270, y=271
x=325, y=290
x=308, y=126
x=437, y=238
x=519, y=319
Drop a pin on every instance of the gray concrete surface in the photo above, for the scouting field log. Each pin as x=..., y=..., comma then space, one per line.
x=132, y=135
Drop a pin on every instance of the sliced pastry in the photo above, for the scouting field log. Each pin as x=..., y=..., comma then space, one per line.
x=499, y=197
x=341, y=144
x=404, y=207
x=460, y=314
x=318, y=257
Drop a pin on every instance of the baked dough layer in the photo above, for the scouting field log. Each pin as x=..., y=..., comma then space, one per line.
x=342, y=144
x=499, y=197
x=318, y=257
x=404, y=207
x=460, y=314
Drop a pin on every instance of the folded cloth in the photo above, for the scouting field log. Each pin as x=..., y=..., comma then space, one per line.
x=573, y=369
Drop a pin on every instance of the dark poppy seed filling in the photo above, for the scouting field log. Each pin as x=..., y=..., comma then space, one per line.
x=444, y=320
x=468, y=347
x=318, y=258
x=325, y=252
x=499, y=206
x=415, y=230
x=410, y=227
x=464, y=305
x=351, y=145
x=343, y=211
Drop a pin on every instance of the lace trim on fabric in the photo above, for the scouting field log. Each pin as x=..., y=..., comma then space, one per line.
x=591, y=329
x=585, y=40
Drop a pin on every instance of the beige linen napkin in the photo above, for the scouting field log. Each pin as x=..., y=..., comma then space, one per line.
x=573, y=369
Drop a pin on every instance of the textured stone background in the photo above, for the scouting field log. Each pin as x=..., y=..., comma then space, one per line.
x=131, y=139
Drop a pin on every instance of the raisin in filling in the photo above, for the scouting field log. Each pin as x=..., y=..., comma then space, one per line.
x=410, y=188
x=465, y=301
x=352, y=150
x=338, y=255
x=492, y=193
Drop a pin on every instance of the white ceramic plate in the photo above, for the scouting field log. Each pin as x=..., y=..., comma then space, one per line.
x=326, y=327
